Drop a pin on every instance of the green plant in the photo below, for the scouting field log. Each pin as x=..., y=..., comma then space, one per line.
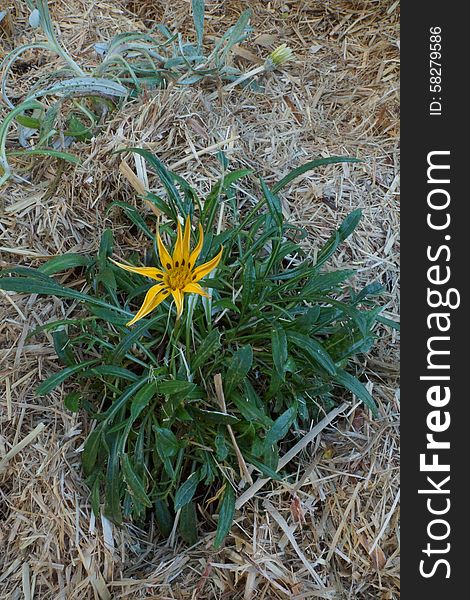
x=71, y=103
x=185, y=408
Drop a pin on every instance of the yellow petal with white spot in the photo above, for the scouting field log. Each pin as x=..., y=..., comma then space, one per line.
x=207, y=267
x=195, y=288
x=153, y=298
x=197, y=250
x=151, y=272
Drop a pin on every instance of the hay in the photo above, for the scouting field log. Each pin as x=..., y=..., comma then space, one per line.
x=333, y=534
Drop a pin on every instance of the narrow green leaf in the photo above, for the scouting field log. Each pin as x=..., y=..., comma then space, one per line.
x=313, y=349
x=208, y=347
x=226, y=513
x=345, y=229
x=188, y=523
x=134, y=483
x=198, y=17
x=54, y=380
x=112, y=506
x=263, y=468
x=167, y=444
x=70, y=158
x=163, y=517
x=142, y=399
x=357, y=388
x=62, y=347
x=221, y=448
x=238, y=369
x=111, y=371
x=279, y=350
x=280, y=427
x=175, y=387
x=64, y=262
x=274, y=204
x=186, y=491
x=90, y=451
x=72, y=401
x=309, y=166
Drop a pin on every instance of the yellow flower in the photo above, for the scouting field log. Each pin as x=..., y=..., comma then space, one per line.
x=179, y=275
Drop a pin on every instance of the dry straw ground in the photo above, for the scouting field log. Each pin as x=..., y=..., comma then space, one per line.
x=335, y=534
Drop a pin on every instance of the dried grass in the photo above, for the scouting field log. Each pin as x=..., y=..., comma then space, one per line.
x=335, y=533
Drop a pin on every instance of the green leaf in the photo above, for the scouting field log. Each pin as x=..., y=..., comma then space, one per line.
x=249, y=281
x=70, y=158
x=313, y=349
x=72, y=401
x=321, y=282
x=95, y=496
x=64, y=262
x=188, y=523
x=221, y=448
x=274, y=204
x=186, y=491
x=62, y=347
x=309, y=166
x=42, y=284
x=226, y=513
x=133, y=214
x=52, y=382
x=280, y=427
x=208, y=347
x=357, y=388
x=238, y=369
x=142, y=399
x=163, y=517
x=90, y=451
x=249, y=411
x=111, y=371
x=198, y=17
x=134, y=483
x=178, y=388
x=112, y=506
x=279, y=350
x=106, y=247
x=167, y=444
x=344, y=231
x=263, y=468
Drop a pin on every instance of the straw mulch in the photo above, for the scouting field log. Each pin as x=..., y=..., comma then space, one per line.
x=335, y=534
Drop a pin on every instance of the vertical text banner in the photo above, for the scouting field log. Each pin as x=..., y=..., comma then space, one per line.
x=434, y=273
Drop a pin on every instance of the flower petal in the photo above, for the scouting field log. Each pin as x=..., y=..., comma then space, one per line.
x=207, y=267
x=151, y=272
x=197, y=250
x=154, y=296
x=187, y=240
x=165, y=258
x=178, y=297
x=178, y=249
x=195, y=288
